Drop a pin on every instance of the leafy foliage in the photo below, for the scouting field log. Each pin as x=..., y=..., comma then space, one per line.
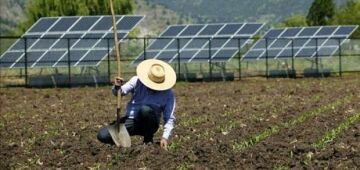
x=349, y=15
x=321, y=12
x=294, y=21
x=36, y=9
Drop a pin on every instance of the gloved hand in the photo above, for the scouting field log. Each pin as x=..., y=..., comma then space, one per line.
x=118, y=82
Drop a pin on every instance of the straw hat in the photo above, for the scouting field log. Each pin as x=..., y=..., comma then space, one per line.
x=156, y=74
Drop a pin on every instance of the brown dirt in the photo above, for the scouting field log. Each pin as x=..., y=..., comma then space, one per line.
x=56, y=128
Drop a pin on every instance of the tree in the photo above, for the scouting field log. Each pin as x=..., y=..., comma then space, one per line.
x=320, y=13
x=295, y=21
x=349, y=15
x=36, y=9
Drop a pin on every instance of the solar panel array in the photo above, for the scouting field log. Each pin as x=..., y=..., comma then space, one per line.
x=306, y=42
x=194, y=42
x=47, y=43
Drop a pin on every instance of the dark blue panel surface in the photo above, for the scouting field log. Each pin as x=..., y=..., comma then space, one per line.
x=50, y=58
x=210, y=30
x=224, y=55
x=104, y=24
x=326, y=31
x=9, y=58
x=166, y=55
x=173, y=30
x=75, y=55
x=273, y=33
x=89, y=40
x=159, y=44
x=174, y=44
x=280, y=43
x=186, y=55
x=234, y=43
x=84, y=24
x=149, y=55
x=44, y=44
x=64, y=24
x=31, y=59
x=344, y=30
x=249, y=29
x=128, y=22
x=286, y=53
x=191, y=30
x=230, y=29
x=204, y=55
x=271, y=53
x=93, y=57
x=43, y=25
x=197, y=44
x=218, y=42
x=63, y=43
x=308, y=32
x=254, y=54
x=291, y=32
x=297, y=43
x=306, y=52
x=120, y=35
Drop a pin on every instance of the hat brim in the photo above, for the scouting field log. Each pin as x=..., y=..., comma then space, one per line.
x=142, y=71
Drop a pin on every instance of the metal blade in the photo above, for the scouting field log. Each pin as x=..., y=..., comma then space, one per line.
x=120, y=135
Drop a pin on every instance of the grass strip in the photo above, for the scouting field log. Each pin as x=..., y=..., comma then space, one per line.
x=332, y=134
x=237, y=147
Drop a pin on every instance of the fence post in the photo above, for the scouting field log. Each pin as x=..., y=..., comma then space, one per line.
x=26, y=63
x=108, y=59
x=293, y=58
x=340, y=57
x=69, y=62
x=210, y=65
x=144, y=48
x=178, y=58
x=267, y=57
x=239, y=55
x=317, y=57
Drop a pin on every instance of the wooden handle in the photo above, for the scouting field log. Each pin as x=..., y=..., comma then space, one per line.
x=117, y=50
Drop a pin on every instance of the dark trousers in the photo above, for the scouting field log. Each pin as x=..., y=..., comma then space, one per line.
x=145, y=124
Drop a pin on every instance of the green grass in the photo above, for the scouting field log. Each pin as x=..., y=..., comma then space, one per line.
x=237, y=147
x=332, y=134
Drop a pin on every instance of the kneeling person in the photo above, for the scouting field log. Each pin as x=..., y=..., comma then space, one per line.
x=151, y=97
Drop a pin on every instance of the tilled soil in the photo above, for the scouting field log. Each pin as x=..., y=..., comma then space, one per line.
x=56, y=128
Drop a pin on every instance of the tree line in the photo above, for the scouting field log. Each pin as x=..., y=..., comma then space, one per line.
x=324, y=12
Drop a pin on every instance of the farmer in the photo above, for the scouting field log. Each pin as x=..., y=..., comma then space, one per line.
x=151, y=96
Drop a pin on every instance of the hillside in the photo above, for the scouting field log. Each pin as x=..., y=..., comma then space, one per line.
x=11, y=11
x=160, y=13
x=157, y=17
x=271, y=11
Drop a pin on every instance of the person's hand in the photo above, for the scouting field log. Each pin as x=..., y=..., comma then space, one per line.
x=118, y=81
x=164, y=143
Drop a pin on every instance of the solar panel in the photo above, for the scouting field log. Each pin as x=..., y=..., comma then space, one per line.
x=47, y=45
x=305, y=42
x=197, y=39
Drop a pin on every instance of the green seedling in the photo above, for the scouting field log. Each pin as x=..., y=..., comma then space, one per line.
x=276, y=128
x=332, y=134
